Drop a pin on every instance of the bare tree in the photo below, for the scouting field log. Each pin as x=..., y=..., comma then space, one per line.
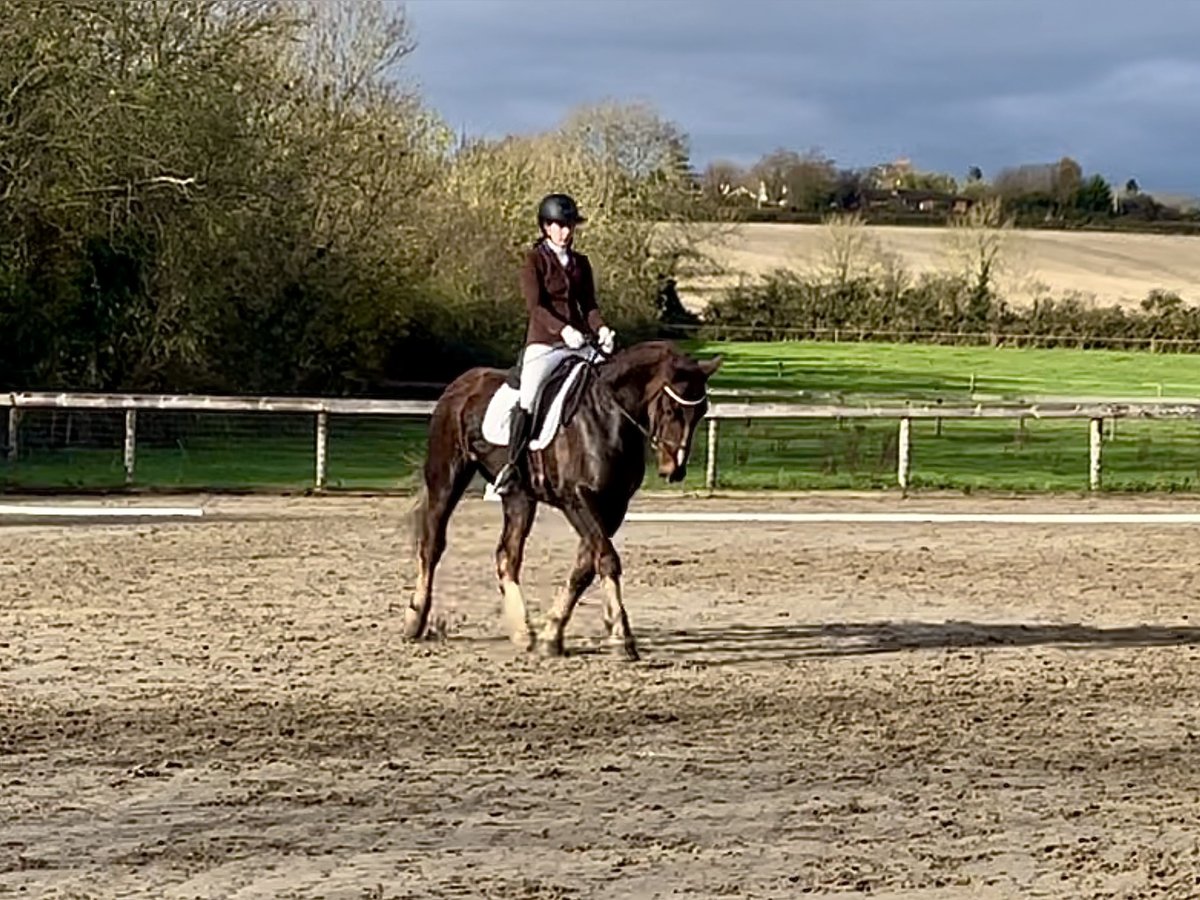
x=849, y=251
x=1015, y=181
x=772, y=172
x=721, y=178
x=982, y=248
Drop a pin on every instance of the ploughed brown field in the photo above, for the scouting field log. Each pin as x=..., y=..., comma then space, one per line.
x=1112, y=268
x=224, y=708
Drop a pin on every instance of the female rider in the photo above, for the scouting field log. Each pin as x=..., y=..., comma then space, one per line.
x=560, y=296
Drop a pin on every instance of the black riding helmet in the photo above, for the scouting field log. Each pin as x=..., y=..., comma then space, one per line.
x=559, y=208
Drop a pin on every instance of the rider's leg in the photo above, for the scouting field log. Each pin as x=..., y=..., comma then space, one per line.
x=518, y=437
x=537, y=363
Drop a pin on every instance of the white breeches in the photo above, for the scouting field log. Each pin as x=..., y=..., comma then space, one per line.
x=538, y=361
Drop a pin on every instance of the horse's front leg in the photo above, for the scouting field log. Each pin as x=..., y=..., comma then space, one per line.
x=615, y=617
x=597, y=544
x=551, y=641
x=519, y=511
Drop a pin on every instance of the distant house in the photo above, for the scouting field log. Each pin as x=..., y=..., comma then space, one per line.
x=737, y=190
x=918, y=201
x=761, y=197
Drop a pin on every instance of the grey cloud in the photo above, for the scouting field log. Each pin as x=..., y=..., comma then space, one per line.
x=952, y=83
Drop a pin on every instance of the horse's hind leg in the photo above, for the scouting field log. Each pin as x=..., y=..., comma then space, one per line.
x=519, y=511
x=444, y=486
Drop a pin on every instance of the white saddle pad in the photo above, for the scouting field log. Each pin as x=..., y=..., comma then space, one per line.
x=500, y=407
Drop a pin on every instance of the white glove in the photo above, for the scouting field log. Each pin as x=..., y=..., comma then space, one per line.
x=572, y=337
x=608, y=339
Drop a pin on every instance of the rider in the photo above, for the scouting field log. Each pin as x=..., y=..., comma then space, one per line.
x=560, y=296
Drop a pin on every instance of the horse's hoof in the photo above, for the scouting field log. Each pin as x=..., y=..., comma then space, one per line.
x=524, y=640
x=550, y=648
x=627, y=647
x=412, y=624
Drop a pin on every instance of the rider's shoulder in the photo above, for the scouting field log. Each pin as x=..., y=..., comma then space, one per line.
x=533, y=257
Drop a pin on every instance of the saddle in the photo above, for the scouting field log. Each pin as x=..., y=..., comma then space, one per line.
x=555, y=405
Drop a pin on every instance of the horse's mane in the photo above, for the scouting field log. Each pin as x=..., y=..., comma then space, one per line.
x=646, y=355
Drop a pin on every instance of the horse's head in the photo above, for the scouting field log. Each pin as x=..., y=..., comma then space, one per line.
x=676, y=408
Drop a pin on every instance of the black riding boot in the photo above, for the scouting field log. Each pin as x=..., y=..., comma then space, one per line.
x=518, y=437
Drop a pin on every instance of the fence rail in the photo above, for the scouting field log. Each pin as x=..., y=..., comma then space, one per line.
x=719, y=331
x=1093, y=411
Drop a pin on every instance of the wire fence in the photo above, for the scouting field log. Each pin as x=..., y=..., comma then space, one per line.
x=85, y=450
x=962, y=454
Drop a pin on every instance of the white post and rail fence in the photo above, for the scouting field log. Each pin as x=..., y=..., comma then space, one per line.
x=1094, y=413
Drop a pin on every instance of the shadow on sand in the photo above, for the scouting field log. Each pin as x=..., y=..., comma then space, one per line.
x=760, y=643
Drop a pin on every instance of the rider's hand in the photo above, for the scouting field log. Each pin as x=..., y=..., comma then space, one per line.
x=572, y=337
x=608, y=339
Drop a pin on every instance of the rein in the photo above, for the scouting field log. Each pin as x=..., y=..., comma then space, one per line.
x=655, y=442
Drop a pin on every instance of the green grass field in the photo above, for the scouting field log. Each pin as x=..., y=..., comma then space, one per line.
x=973, y=454
x=864, y=371
x=378, y=453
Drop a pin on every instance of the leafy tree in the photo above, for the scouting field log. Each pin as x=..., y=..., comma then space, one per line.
x=811, y=182
x=1094, y=196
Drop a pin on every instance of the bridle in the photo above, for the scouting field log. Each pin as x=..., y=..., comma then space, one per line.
x=670, y=392
x=655, y=441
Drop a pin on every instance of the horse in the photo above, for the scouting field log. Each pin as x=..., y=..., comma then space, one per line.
x=647, y=393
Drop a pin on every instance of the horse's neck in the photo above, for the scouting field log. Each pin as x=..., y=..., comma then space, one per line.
x=633, y=391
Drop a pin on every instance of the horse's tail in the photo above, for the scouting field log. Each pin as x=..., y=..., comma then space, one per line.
x=417, y=511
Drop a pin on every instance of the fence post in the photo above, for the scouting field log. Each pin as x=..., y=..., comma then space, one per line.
x=903, y=456
x=322, y=448
x=1095, y=448
x=130, y=443
x=710, y=463
x=14, y=425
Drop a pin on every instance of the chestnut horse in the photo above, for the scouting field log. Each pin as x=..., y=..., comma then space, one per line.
x=649, y=393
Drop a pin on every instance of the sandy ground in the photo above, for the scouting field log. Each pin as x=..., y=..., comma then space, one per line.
x=224, y=709
x=1112, y=268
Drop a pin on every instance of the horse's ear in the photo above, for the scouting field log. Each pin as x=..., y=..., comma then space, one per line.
x=708, y=366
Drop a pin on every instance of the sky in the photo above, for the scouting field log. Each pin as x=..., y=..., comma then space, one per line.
x=947, y=83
